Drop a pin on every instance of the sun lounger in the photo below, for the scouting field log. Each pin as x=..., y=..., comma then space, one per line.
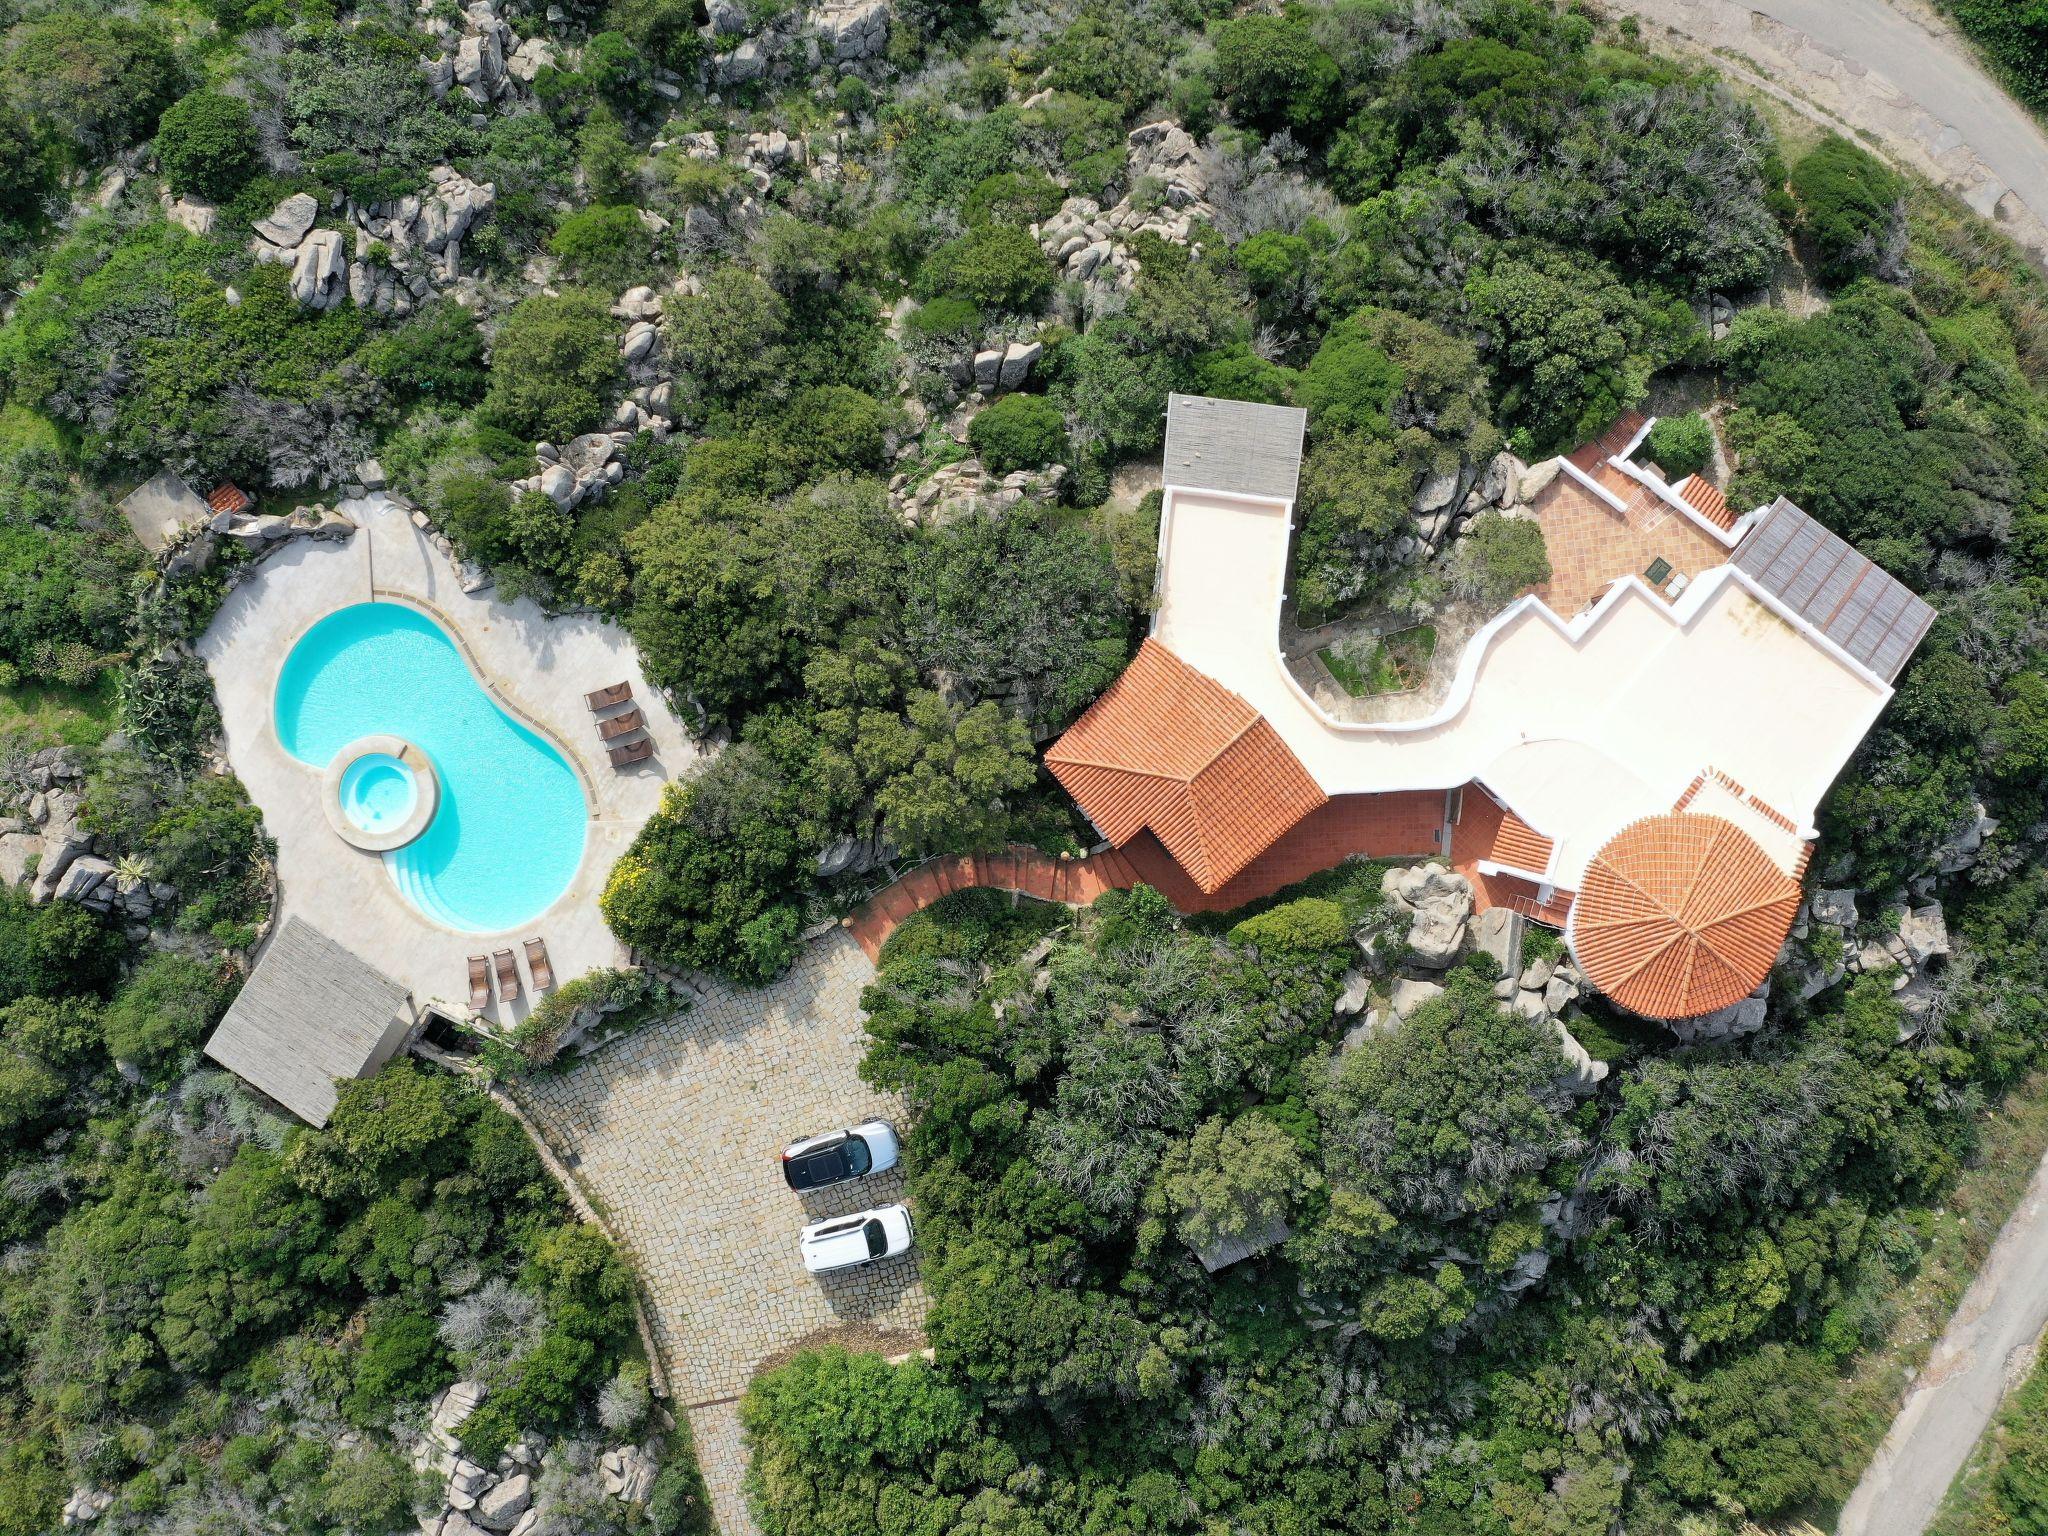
x=621, y=725
x=632, y=752
x=508, y=976
x=479, y=982
x=537, y=966
x=605, y=698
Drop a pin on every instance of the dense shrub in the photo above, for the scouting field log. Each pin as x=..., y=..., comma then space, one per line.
x=555, y=367
x=206, y=143
x=1852, y=208
x=1018, y=432
x=99, y=81
x=166, y=1007
x=1497, y=557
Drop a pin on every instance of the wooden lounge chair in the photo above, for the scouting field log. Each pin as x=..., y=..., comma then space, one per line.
x=537, y=965
x=479, y=982
x=632, y=752
x=508, y=976
x=621, y=725
x=605, y=698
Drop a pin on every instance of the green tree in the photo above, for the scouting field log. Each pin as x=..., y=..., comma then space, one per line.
x=1497, y=557
x=1274, y=75
x=1572, y=346
x=1680, y=445
x=607, y=247
x=728, y=339
x=1018, y=432
x=944, y=772
x=166, y=1007
x=1231, y=1180
x=555, y=367
x=206, y=143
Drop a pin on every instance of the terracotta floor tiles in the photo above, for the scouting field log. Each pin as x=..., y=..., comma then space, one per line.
x=1590, y=545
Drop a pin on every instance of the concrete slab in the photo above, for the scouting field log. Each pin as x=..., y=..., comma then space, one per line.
x=536, y=666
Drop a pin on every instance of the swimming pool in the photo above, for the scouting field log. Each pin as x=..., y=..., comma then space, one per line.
x=508, y=833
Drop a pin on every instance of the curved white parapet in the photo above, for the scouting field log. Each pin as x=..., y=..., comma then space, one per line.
x=1578, y=725
x=348, y=811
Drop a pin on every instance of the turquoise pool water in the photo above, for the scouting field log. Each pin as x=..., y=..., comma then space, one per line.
x=508, y=833
x=378, y=792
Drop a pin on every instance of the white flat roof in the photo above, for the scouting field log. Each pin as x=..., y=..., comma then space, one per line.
x=1579, y=726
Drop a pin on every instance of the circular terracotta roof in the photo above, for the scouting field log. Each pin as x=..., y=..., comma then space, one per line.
x=1680, y=915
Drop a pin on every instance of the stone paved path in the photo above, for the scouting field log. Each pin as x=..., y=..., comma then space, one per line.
x=675, y=1132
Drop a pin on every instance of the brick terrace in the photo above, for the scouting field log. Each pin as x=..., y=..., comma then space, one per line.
x=1591, y=545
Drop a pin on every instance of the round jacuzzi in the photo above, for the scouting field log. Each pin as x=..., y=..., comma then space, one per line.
x=381, y=793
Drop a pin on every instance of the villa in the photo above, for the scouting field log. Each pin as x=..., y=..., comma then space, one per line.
x=1634, y=753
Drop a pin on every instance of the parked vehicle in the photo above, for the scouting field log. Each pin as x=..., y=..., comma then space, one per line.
x=846, y=1241
x=841, y=1155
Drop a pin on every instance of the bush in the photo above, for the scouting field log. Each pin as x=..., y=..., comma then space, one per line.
x=835, y=428
x=206, y=143
x=166, y=1007
x=1680, y=445
x=1018, y=432
x=1306, y=926
x=1853, y=209
x=1497, y=557
x=997, y=266
x=606, y=247
x=555, y=368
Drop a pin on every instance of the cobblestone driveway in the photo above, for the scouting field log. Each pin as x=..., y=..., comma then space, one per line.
x=676, y=1131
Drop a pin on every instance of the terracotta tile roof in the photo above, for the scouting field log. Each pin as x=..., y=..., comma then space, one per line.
x=1680, y=915
x=226, y=497
x=1619, y=434
x=1520, y=845
x=1170, y=749
x=1707, y=500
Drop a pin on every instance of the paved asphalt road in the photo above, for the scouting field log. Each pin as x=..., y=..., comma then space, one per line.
x=1957, y=1393
x=1938, y=72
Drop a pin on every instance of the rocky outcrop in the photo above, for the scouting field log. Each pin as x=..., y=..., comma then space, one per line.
x=389, y=256
x=849, y=33
x=582, y=470
x=46, y=848
x=628, y=1472
x=1168, y=178
x=1438, y=903
x=958, y=489
x=319, y=275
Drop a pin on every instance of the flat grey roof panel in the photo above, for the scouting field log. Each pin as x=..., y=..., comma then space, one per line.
x=1233, y=446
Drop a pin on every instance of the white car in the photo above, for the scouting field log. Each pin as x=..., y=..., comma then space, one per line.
x=861, y=1238
x=840, y=1155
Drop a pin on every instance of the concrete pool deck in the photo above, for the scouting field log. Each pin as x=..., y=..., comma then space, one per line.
x=536, y=666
